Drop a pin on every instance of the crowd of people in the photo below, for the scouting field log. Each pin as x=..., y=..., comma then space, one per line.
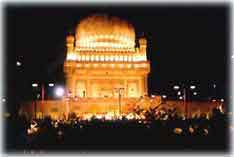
x=158, y=130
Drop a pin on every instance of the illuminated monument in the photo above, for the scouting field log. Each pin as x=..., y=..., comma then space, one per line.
x=102, y=56
x=103, y=63
x=106, y=74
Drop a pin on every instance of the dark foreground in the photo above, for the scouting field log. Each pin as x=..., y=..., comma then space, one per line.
x=197, y=134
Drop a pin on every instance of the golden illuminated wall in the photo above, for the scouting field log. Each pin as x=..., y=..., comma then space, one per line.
x=102, y=57
x=57, y=108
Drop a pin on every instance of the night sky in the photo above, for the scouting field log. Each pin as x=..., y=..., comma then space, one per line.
x=186, y=44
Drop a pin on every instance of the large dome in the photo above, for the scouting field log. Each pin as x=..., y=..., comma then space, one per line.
x=103, y=31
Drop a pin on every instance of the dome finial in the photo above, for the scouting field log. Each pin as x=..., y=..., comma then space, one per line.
x=142, y=35
x=70, y=32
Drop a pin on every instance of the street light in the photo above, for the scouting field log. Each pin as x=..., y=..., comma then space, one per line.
x=214, y=85
x=3, y=99
x=192, y=87
x=164, y=96
x=59, y=91
x=176, y=87
x=18, y=63
x=35, y=85
x=51, y=85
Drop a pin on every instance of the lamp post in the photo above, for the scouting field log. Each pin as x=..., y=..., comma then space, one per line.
x=192, y=87
x=59, y=93
x=35, y=85
x=119, y=90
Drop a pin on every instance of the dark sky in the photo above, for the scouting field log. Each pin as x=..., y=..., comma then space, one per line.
x=185, y=43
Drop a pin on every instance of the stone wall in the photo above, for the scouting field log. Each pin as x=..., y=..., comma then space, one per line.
x=59, y=108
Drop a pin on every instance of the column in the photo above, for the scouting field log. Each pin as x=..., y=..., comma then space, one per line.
x=146, y=84
x=125, y=88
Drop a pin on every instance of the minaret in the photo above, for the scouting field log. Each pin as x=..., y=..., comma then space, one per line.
x=70, y=47
x=142, y=49
x=142, y=56
x=143, y=44
x=71, y=56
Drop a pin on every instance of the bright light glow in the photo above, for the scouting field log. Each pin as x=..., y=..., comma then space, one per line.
x=213, y=100
x=96, y=58
x=51, y=85
x=116, y=58
x=129, y=58
x=78, y=57
x=111, y=58
x=18, y=63
x=194, y=93
x=60, y=133
x=59, y=91
x=34, y=85
x=152, y=96
x=130, y=116
x=107, y=58
x=180, y=97
x=192, y=87
x=125, y=58
x=220, y=108
x=109, y=116
x=33, y=128
x=176, y=87
x=179, y=93
x=83, y=58
x=3, y=100
x=178, y=130
x=89, y=57
x=222, y=100
x=121, y=58
x=71, y=56
x=102, y=58
x=99, y=116
x=164, y=96
x=97, y=31
x=92, y=58
x=232, y=56
x=214, y=85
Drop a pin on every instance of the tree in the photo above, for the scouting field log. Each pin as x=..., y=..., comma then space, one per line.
x=72, y=116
